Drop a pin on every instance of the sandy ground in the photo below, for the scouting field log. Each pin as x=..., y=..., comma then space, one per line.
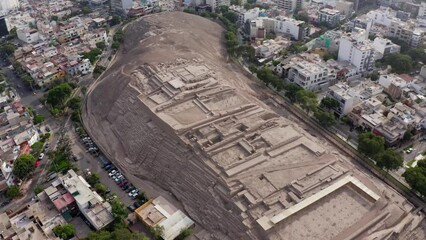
x=143, y=146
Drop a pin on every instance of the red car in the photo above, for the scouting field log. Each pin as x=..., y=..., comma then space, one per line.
x=123, y=182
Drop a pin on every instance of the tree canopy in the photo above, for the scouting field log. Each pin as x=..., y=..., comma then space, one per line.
x=389, y=160
x=65, y=231
x=92, y=55
x=370, y=144
x=119, y=233
x=416, y=177
x=329, y=103
x=56, y=96
x=119, y=211
x=38, y=119
x=23, y=166
x=400, y=63
x=13, y=191
x=74, y=103
x=326, y=119
x=93, y=178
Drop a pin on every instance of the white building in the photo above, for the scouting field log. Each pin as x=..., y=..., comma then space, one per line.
x=291, y=27
x=329, y=16
x=384, y=46
x=358, y=50
x=290, y=5
x=347, y=97
x=7, y=5
x=422, y=10
x=271, y=47
x=121, y=6
x=216, y=3
x=28, y=35
x=308, y=71
x=96, y=210
x=245, y=15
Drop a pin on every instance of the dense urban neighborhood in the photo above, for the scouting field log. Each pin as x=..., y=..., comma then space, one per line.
x=212, y=119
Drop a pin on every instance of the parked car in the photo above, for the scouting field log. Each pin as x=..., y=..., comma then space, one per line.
x=137, y=204
x=131, y=208
x=47, y=129
x=41, y=156
x=124, y=181
x=74, y=157
x=125, y=187
x=46, y=146
x=131, y=188
x=132, y=192
x=112, y=173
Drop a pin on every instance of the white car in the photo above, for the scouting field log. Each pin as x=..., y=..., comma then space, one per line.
x=41, y=156
x=112, y=173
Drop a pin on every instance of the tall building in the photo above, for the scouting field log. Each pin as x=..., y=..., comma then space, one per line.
x=358, y=50
x=290, y=5
x=6, y=5
x=121, y=6
x=329, y=16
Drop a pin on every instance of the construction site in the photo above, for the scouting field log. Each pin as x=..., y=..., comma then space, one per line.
x=174, y=112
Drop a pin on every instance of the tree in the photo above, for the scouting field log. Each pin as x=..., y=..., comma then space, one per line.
x=99, y=69
x=400, y=63
x=74, y=103
x=115, y=45
x=124, y=233
x=56, y=96
x=38, y=189
x=65, y=231
x=291, y=91
x=38, y=119
x=223, y=9
x=329, y=103
x=119, y=211
x=184, y=233
x=407, y=136
x=54, y=18
x=100, y=188
x=307, y=100
x=102, y=235
x=157, y=231
x=36, y=149
x=389, y=160
x=13, y=191
x=326, y=119
x=252, y=68
x=302, y=16
x=416, y=177
x=101, y=45
x=92, y=55
x=7, y=49
x=86, y=10
x=23, y=166
x=115, y=20
x=231, y=16
x=370, y=144
x=236, y=2
x=93, y=178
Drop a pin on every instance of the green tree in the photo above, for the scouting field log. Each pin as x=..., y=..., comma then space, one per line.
x=157, y=231
x=23, y=166
x=326, y=119
x=99, y=69
x=115, y=20
x=236, y=2
x=400, y=63
x=93, y=178
x=184, y=233
x=307, y=100
x=56, y=96
x=407, y=136
x=92, y=55
x=222, y=9
x=101, y=45
x=86, y=10
x=74, y=103
x=100, y=188
x=119, y=211
x=54, y=18
x=416, y=177
x=13, y=191
x=36, y=149
x=124, y=233
x=64, y=231
x=38, y=189
x=291, y=91
x=38, y=119
x=7, y=49
x=329, y=103
x=389, y=160
x=115, y=45
x=370, y=144
x=252, y=68
x=231, y=16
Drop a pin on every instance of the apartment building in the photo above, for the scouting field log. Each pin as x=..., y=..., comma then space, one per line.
x=308, y=71
x=245, y=15
x=121, y=6
x=358, y=50
x=329, y=16
x=93, y=207
x=28, y=35
x=290, y=5
x=383, y=46
x=296, y=29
